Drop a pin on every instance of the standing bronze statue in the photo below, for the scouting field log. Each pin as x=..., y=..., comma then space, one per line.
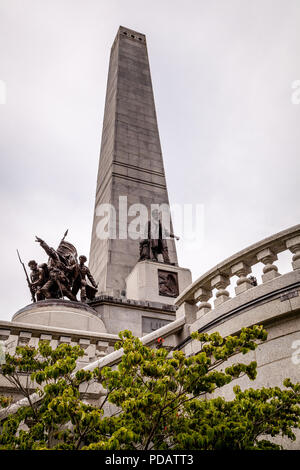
x=86, y=291
x=38, y=278
x=154, y=242
x=32, y=292
x=62, y=276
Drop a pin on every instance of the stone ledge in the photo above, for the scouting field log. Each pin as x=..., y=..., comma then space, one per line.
x=56, y=332
x=55, y=302
x=243, y=301
x=109, y=360
x=61, y=314
x=138, y=304
x=276, y=242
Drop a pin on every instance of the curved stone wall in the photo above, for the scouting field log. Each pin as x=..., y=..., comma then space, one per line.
x=275, y=304
x=61, y=314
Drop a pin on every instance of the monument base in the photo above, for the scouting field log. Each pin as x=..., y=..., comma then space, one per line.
x=61, y=314
x=138, y=316
x=157, y=282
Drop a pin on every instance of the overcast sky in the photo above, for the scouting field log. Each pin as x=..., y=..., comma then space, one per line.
x=222, y=73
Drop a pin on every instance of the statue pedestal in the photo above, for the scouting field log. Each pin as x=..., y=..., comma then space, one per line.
x=61, y=314
x=157, y=282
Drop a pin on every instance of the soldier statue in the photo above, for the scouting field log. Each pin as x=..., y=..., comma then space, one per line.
x=58, y=284
x=86, y=291
x=154, y=242
x=38, y=279
x=63, y=276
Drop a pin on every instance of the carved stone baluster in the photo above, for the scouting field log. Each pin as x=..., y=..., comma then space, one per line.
x=243, y=283
x=293, y=244
x=45, y=337
x=53, y=343
x=24, y=338
x=92, y=352
x=203, y=295
x=101, y=348
x=267, y=257
x=4, y=336
x=64, y=340
x=220, y=282
x=33, y=342
x=84, y=343
x=11, y=343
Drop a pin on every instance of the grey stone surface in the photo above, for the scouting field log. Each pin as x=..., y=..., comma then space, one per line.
x=131, y=161
x=278, y=357
x=248, y=256
x=259, y=311
x=60, y=314
x=150, y=324
x=4, y=334
x=130, y=315
x=131, y=164
x=142, y=283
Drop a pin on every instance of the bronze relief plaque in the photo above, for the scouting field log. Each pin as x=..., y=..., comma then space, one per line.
x=168, y=283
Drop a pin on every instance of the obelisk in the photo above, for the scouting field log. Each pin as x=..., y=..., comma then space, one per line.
x=131, y=162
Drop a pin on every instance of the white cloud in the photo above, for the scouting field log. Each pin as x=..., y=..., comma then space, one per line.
x=222, y=74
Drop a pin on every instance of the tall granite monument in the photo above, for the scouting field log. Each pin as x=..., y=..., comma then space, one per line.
x=131, y=163
x=137, y=279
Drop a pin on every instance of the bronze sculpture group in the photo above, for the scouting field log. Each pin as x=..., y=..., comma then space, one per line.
x=63, y=276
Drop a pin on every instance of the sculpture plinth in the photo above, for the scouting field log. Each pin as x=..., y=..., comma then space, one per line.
x=60, y=314
x=157, y=282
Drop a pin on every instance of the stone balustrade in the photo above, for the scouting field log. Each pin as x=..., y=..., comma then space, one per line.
x=95, y=345
x=197, y=297
x=111, y=359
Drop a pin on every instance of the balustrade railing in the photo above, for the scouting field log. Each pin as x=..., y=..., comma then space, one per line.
x=95, y=346
x=240, y=265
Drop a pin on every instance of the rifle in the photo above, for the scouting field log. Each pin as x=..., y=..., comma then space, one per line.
x=66, y=233
x=27, y=279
